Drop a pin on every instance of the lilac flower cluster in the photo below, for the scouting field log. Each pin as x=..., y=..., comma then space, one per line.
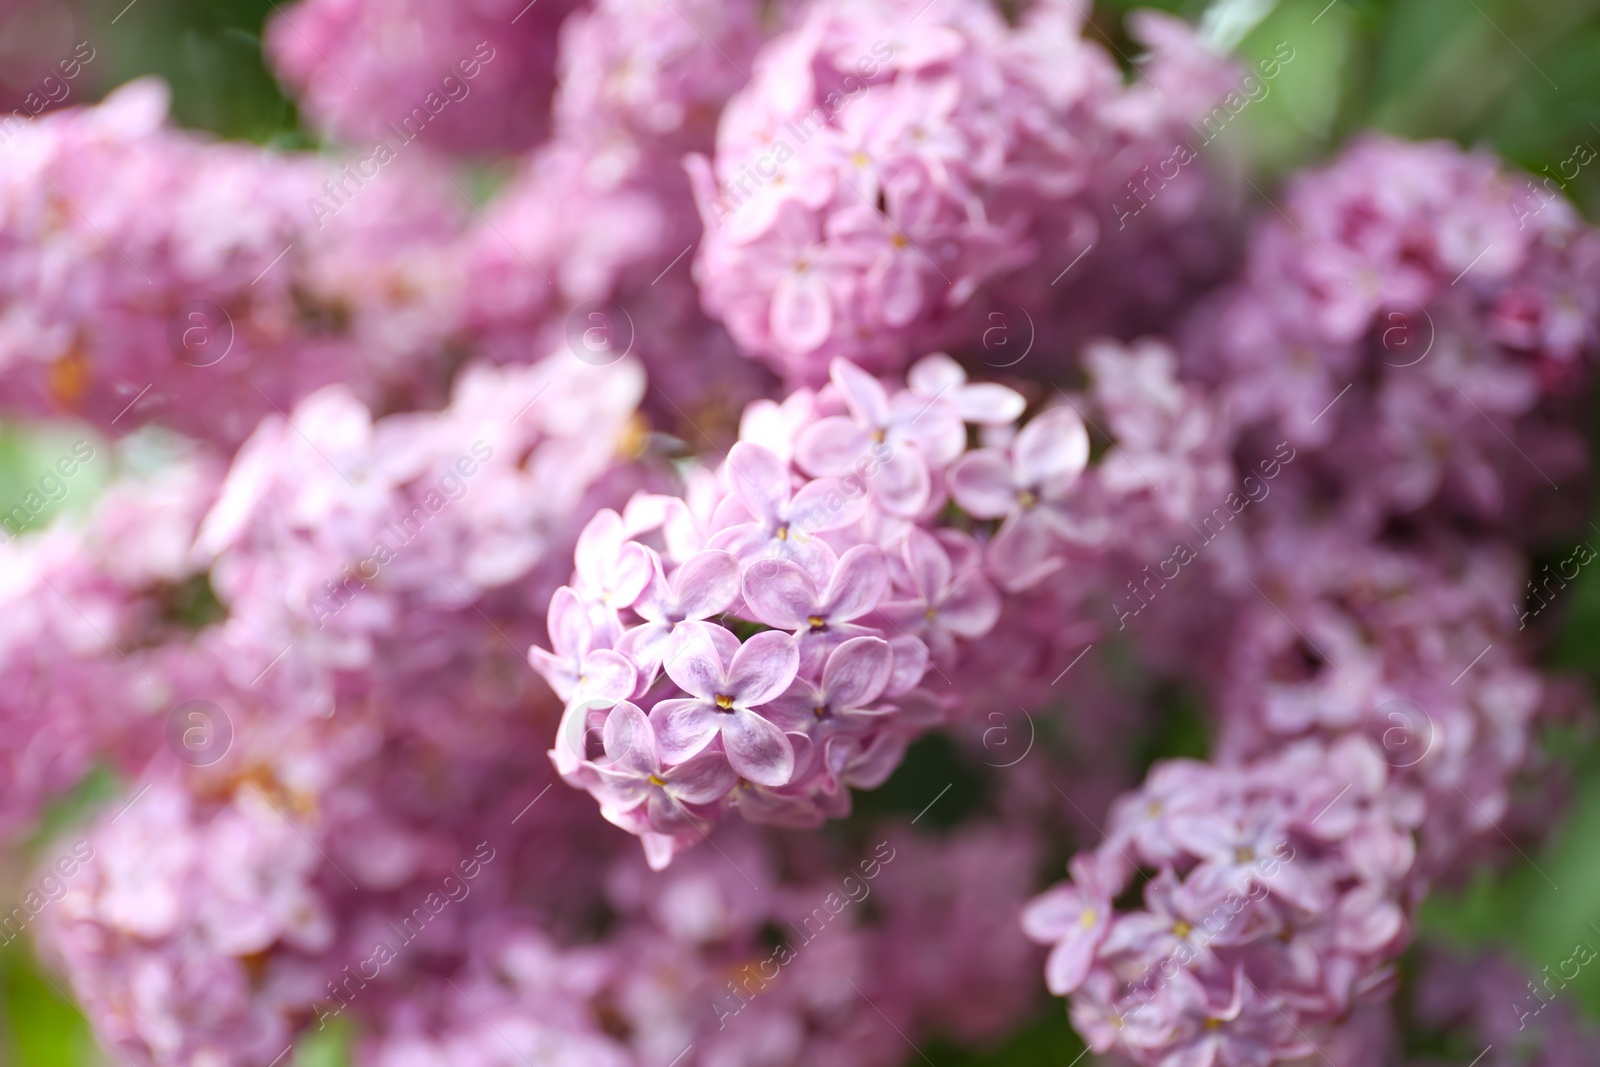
x=1268, y=907
x=230, y=300
x=886, y=163
x=820, y=537
x=358, y=67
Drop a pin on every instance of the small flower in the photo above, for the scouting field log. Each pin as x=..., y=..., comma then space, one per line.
x=1030, y=489
x=856, y=674
x=1075, y=918
x=784, y=595
x=632, y=775
x=938, y=376
x=704, y=585
x=612, y=571
x=889, y=443
x=726, y=682
x=944, y=605
x=777, y=521
x=578, y=670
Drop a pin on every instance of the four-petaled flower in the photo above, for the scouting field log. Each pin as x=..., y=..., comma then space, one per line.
x=1031, y=489
x=1074, y=917
x=764, y=516
x=633, y=781
x=727, y=681
x=704, y=585
x=785, y=596
x=887, y=442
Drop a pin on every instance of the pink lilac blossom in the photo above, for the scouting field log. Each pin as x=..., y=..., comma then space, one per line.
x=467, y=78
x=641, y=85
x=826, y=511
x=378, y=710
x=690, y=973
x=1409, y=276
x=235, y=299
x=1346, y=648
x=1265, y=920
x=885, y=164
x=93, y=623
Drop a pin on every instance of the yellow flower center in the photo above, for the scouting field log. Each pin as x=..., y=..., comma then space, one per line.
x=1182, y=929
x=654, y=780
x=817, y=621
x=1087, y=919
x=724, y=701
x=783, y=533
x=1027, y=498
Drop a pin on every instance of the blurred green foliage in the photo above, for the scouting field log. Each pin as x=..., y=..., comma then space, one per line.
x=1520, y=76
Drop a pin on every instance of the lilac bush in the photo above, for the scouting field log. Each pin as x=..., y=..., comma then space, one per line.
x=451, y=539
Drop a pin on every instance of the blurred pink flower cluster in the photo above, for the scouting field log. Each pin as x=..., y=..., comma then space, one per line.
x=454, y=538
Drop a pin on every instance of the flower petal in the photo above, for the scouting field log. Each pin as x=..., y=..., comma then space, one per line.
x=982, y=483
x=760, y=479
x=989, y=404
x=794, y=709
x=696, y=664
x=927, y=565
x=629, y=741
x=1019, y=556
x=801, y=317
x=780, y=593
x=684, y=727
x=702, y=780
x=862, y=393
x=832, y=445
x=1051, y=451
x=1069, y=964
x=570, y=629
x=857, y=673
x=756, y=748
x=902, y=482
x=762, y=668
x=859, y=582
x=972, y=606
x=602, y=538
x=706, y=584
x=826, y=504
x=607, y=675
x=1052, y=914
x=935, y=373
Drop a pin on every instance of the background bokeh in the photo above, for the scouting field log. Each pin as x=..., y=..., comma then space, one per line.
x=1520, y=75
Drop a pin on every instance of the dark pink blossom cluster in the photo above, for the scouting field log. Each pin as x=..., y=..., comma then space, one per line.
x=1408, y=276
